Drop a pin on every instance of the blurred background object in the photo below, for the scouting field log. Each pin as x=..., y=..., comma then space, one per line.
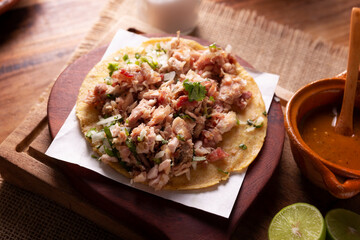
x=6, y=5
x=170, y=15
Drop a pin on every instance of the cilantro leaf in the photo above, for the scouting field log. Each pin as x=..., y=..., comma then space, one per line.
x=243, y=146
x=131, y=145
x=109, y=152
x=196, y=91
x=222, y=171
x=108, y=134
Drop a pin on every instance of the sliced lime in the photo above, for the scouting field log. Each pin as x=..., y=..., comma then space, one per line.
x=298, y=221
x=343, y=224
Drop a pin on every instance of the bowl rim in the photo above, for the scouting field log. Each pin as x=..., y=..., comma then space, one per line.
x=292, y=126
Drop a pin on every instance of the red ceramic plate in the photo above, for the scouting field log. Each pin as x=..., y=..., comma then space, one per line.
x=6, y=5
x=139, y=210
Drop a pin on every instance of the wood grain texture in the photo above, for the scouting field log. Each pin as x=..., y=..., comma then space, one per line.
x=327, y=19
x=154, y=213
x=38, y=36
x=35, y=43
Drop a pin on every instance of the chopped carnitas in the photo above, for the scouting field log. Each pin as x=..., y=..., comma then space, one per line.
x=164, y=110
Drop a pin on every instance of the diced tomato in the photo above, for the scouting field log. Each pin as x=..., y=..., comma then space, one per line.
x=181, y=101
x=211, y=88
x=126, y=73
x=217, y=154
x=162, y=97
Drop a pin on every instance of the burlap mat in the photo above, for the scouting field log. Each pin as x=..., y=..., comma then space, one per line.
x=268, y=46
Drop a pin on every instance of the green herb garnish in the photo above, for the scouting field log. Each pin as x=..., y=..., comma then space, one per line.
x=222, y=171
x=196, y=91
x=140, y=139
x=125, y=166
x=108, y=80
x=157, y=160
x=90, y=132
x=264, y=113
x=185, y=116
x=207, y=116
x=213, y=46
x=137, y=55
x=158, y=47
x=211, y=98
x=152, y=64
x=126, y=132
x=126, y=57
x=237, y=121
x=243, y=146
x=110, y=96
x=254, y=124
x=108, y=134
x=112, y=67
x=109, y=152
x=180, y=137
x=250, y=122
x=131, y=145
x=164, y=141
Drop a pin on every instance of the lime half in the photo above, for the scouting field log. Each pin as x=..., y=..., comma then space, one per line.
x=343, y=224
x=298, y=221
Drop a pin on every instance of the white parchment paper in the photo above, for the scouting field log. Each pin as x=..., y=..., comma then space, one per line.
x=70, y=145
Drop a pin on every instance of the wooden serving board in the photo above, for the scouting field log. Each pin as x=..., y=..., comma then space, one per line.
x=157, y=217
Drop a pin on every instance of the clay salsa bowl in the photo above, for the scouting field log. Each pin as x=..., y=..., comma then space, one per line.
x=340, y=181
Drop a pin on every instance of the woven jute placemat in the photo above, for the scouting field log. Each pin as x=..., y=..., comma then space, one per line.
x=268, y=46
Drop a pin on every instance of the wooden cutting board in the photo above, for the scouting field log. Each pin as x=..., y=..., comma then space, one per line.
x=140, y=210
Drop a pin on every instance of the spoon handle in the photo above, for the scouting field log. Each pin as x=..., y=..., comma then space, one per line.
x=344, y=124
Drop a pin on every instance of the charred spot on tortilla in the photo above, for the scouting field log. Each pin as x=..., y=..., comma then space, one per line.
x=172, y=114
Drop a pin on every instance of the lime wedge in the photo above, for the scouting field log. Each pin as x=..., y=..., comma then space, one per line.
x=343, y=224
x=298, y=221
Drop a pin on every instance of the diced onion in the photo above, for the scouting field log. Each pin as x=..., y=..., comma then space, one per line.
x=160, y=154
x=250, y=129
x=104, y=121
x=193, y=164
x=228, y=48
x=159, y=138
x=259, y=121
x=197, y=159
x=142, y=134
x=106, y=143
x=169, y=76
x=97, y=136
x=101, y=149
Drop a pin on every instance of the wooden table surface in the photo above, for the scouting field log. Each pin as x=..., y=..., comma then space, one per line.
x=38, y=36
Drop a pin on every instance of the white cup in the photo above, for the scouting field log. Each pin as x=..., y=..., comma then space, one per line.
x=170, y=15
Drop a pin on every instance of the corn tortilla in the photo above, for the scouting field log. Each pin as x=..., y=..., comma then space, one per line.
x=204, y=175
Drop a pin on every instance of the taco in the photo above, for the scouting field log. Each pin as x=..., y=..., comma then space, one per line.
x=172, y=114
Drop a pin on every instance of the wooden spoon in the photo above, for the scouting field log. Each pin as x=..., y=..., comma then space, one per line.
x=344, y=125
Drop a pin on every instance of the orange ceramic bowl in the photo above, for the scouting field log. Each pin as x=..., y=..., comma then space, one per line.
x=339, y=181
